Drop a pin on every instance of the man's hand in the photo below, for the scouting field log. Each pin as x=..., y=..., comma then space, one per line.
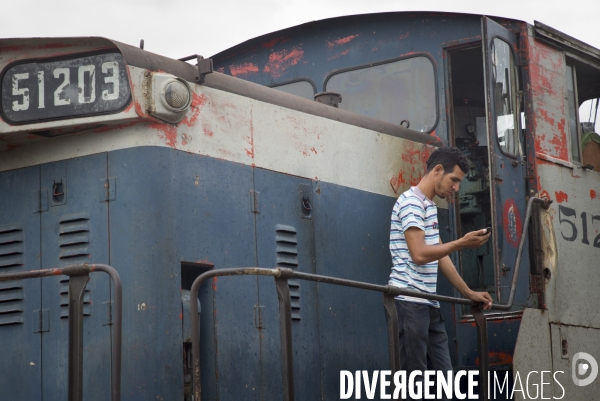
x=482, y=297
x=474, y=239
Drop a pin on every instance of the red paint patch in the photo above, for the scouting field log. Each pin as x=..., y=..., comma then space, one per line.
x=280, y=61
x=198, y=100
x=169, y=133
x=243, y=69
x=339, y=54
x=511, y=220
x=397, y=181
x=593, y=194
x=185, y=139
x=273, y=42
x=208, y=132
x=250, y=152
x=341, y=41
x=561, y=196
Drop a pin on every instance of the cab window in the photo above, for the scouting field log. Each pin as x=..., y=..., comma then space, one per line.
x=401, y=91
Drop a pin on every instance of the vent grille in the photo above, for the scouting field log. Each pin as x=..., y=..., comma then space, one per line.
x=74, y=243
x=74, y=239
x=64, y=298
x=12, y=293
x=287, y=256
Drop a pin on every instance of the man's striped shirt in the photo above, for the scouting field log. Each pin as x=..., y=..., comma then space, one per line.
x=413, y=209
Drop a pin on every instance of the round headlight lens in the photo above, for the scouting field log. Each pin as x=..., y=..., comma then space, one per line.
x=177, y=95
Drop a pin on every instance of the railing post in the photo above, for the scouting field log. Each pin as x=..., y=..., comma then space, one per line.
x=76, y=291
x=391, y=315
x=285, y=332
x=482, y=346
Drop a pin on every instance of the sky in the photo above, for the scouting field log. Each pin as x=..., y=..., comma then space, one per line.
x=178, y=28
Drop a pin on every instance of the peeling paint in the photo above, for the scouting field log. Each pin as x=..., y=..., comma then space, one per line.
x=243, y=69
x=281, y=60
x=561, y=196
x=341, y=41
x=168, y=133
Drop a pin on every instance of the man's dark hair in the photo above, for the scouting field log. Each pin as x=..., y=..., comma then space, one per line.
x=448, y=158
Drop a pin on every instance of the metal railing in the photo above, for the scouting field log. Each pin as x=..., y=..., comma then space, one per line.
x=282, y=275
x=78, y=278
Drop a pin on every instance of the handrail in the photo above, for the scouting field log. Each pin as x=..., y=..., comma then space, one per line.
x=79, y=276
x=515, y=279
x=282, y=275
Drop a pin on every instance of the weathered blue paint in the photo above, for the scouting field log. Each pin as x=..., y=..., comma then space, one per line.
x=315, y=50
x=19, y=251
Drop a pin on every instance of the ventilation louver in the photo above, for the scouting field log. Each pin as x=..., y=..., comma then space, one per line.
x=12, y=293
x=287, y=256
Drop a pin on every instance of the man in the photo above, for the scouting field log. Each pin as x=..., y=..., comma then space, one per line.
x=418, y=253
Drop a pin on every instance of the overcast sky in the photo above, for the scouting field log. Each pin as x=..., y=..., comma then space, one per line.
x=177, y=28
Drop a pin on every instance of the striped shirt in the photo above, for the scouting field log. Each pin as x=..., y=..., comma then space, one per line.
x=413, y=209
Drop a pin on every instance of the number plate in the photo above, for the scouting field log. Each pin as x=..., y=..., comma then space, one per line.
x=79, y=87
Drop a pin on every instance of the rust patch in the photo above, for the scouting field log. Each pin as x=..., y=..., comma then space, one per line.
x=281, y=60
x=341, y=41
x=214, y=284
x=497, y=358
x=561, y=196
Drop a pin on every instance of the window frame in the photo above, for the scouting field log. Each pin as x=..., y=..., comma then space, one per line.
x=293, y=81
x=392, y=60
x=518, y=104
x=577, y=121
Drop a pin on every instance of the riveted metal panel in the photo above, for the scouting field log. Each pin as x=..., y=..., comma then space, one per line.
x=281, y=213
x=574, y=218
x=574, y=340
x=173, y=207
x=351, y=242
x=533, y=351
x=21, y=360
x=75, y=230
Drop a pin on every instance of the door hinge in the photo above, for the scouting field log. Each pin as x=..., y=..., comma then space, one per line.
x=108, y=190
x=258, y=319
x=41, y=201
x=254, y=201
x=109, y=313
x=536, y=284
x=306, y=205
x=41, y=321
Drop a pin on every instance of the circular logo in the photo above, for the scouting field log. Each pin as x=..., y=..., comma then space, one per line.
x=511, y=219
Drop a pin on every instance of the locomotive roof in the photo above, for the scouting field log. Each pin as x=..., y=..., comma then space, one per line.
x=330, y=23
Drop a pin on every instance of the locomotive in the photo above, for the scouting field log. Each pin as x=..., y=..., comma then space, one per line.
x=165, y=170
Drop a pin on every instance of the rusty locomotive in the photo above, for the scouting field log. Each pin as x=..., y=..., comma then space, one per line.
x=166, y=171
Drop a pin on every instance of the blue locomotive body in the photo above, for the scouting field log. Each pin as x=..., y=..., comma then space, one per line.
x=165, y=170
